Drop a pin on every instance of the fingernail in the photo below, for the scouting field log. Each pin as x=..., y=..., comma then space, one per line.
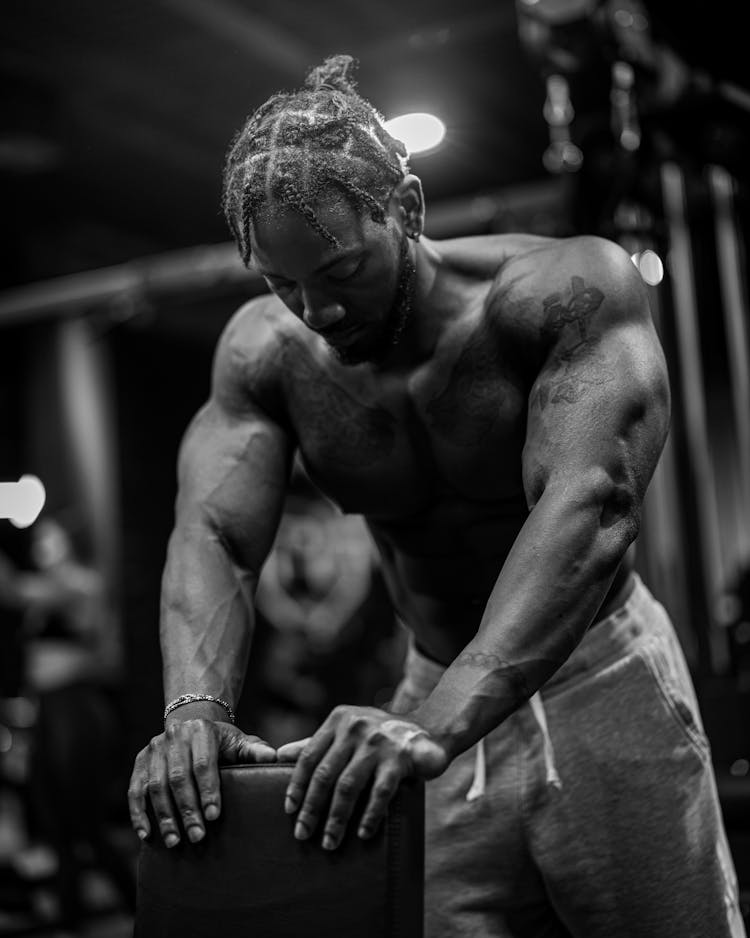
x=328, y=842
x=363, y=832
x=211, y=812
x=171, y=840
x=300, y=830
x=141, y=833
x=195, y=834
x=290, y=805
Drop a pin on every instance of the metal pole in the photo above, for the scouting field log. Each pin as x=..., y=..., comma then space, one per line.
x=735, y=304
x=175, y=273
x=665, y=534
x=87, y=412
x=694, y=404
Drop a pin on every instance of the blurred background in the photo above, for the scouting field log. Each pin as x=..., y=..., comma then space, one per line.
x=620, y=118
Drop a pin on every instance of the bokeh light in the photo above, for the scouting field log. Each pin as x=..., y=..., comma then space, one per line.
x=420, y=132
x=22, y=501
x=649, y=265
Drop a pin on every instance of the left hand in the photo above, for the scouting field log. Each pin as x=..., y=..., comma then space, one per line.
x=355, y=745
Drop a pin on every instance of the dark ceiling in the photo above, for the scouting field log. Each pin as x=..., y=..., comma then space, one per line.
x=120, y=113
x=116, y=115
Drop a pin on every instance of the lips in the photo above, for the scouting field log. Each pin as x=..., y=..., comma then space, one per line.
x=343, y=338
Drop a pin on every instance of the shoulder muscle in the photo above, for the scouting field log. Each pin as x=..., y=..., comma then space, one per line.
x=246, y=361
x=600, y=399
x=555, y=282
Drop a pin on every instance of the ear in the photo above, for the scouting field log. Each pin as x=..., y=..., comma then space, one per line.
x=410, y=199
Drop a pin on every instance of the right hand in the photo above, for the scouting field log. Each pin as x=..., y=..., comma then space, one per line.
x=180, y=769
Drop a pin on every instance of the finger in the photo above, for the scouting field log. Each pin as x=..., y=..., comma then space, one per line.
x=387, y=779
x=180, y=775
x=322, y=781
x=159, y=794
x=237, y=747
x=255, y=749
x=204, y=749
x=137, y=796
x=313, y=750
x=350, y=784
x=290, y=752
x=306, y=764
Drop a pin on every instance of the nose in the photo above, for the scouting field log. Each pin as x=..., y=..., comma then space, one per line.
x=321, y=312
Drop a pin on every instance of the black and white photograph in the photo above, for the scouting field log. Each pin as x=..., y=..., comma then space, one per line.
x=374, y=469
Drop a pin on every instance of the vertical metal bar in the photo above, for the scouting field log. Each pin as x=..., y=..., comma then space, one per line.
x=735, y=305
x=693, y=395
x=665, y=533
x=86, y=400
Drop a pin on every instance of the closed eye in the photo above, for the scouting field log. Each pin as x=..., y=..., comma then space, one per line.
x=346, y=273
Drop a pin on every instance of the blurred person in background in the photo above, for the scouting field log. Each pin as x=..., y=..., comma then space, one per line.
x=494, y=407
x=72, y=672
x=326, y=631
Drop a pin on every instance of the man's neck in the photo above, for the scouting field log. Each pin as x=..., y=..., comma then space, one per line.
x=436, y=303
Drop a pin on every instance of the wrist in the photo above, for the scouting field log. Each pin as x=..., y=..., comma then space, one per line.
x=435, y=728
x=193, y=706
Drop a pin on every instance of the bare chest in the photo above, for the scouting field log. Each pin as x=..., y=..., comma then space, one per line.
x=391, y=448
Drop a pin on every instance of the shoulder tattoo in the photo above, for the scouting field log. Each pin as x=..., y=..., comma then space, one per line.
x=567, y=379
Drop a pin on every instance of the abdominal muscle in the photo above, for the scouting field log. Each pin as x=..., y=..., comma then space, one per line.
x=440, y=575
x=440, y=592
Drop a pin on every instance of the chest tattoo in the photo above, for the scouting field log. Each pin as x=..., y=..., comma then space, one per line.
x=467, y=409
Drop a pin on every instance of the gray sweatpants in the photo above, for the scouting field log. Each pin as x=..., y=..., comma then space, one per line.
x=593, y=813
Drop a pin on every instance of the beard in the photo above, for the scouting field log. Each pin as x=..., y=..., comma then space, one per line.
x=374, y=347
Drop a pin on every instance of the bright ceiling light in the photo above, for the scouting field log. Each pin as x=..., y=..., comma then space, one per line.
x=22, y=501
x=419, y=132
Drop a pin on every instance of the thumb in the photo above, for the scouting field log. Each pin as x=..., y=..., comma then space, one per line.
x=290, y=752
x=236, y=747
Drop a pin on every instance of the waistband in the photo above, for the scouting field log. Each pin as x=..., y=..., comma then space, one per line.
x=610, y=637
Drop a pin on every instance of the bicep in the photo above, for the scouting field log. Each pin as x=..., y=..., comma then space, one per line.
x=598, y=412
x=232, y=475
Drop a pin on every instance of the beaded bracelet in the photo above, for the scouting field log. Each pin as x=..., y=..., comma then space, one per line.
x=192, y=698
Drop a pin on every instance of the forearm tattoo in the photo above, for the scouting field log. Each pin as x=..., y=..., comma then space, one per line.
x=503, y=674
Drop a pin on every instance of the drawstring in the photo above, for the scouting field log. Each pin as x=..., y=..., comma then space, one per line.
x=479, y=783
x=537, y=708
x=480, y=774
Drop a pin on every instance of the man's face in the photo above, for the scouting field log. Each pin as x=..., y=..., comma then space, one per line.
x=356, y=296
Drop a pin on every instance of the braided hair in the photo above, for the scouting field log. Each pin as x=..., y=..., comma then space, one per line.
x=298, y=145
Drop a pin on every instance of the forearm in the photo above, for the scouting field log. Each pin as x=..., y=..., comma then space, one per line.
x=206, y=621
x=548, y=592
